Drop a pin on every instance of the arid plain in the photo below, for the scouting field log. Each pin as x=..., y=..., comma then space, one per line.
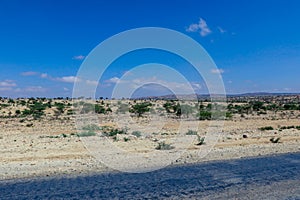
x=51, y=137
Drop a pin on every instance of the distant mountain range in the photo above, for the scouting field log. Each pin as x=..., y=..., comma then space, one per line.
x=204, y=96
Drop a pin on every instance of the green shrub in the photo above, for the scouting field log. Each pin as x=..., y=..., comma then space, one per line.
x=136, y=133
x=114, y=132
x=273, y=140
x=70, y=112
x=115, y=138
x=100, y=109
x=266, y=128
x=11, y=101
x=4, y=105
x=200, y=140
x=204, y=115
x=86, y=134
x=60, y=107
x=64, y=135
x=164, y=146
x=18, y=112
x=53, y=136
x=228, y=115
x=289, y=127
x=26, y=112
x=191, y=132
x=91, y=127
x=29, y=125
x=140, y=108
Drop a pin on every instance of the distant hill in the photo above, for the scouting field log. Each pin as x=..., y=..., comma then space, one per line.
x=205, y=96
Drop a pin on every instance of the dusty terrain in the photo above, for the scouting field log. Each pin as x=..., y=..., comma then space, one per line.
x=50, y=146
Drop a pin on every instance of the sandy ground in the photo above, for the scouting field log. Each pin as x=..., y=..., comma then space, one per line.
x=41, y=150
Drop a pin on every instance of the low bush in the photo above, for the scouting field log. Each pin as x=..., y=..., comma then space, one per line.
x=266, y=128
x=200, y=140
x=136, y=133
x=29, y=125
x=273, y=140
x=114, y=132
x=191, y=132
x=164, y=146
x=91, y=127
x=86, y=134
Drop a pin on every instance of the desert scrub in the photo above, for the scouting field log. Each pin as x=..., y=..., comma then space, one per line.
x=114, y=132
x=289, y=127
x=191, y=132
x=115, y=139
x=140, y=108
x=91, y=127
x=51, y=136
x=266, y=128
x=29, y=125
x=136, y=133
x=86, y=134
x=273, y=140
x=164, y=146
x=200, y=140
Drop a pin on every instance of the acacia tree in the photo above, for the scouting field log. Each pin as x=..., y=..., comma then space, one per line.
x=140, y=108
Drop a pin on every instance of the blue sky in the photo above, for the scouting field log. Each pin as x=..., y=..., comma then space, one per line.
x=255, y=44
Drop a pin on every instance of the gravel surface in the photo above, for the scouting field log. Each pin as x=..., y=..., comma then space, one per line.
x=270, y=177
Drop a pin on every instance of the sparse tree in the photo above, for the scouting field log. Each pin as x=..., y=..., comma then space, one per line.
x=140, y=108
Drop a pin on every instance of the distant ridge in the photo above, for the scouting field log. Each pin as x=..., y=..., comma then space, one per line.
x=205, y=96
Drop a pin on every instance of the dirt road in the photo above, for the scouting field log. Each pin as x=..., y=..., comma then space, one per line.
x=272, y=177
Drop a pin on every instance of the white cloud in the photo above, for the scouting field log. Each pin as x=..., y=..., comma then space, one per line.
x=196, y=85
x=204, y=29
x=29, y=73
x=80, y=57
x=217, y=71
x=5, y=89
x=68, y=79
x=44, y=75
x=89, y=82
x=179, y=88
x=193, y=28
x=113, y=80
x=221, y=30
x=201, y=27
x=8, y=83
x=66, y=89
x=35, y=89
